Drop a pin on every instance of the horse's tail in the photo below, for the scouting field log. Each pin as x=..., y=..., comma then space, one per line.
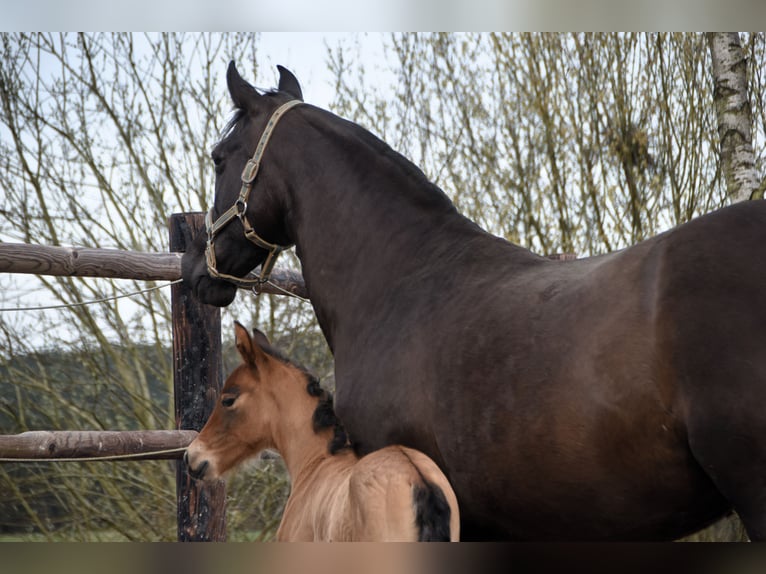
x=432, y=512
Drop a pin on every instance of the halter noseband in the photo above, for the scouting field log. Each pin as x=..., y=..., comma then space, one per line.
x=239, y=209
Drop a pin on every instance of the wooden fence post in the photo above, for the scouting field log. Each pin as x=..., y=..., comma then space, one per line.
x=197, y=380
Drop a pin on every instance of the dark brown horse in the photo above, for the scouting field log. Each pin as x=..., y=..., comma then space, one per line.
x=612, y=397
x=393, y=494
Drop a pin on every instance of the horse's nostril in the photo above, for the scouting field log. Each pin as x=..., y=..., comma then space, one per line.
x=186, y=457
x=199, y=472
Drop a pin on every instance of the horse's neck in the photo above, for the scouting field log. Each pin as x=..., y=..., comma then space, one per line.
x=355, y=230
x=294, y=436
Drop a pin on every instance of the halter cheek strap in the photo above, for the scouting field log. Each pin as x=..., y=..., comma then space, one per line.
x=239, y=211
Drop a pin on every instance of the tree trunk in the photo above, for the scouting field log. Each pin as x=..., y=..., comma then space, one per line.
x=734, y=115
x=735, y=123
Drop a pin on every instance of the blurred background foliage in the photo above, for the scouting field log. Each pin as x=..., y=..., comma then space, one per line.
x=578, y=143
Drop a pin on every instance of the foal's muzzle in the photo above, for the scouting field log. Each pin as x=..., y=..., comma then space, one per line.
x=196, y=473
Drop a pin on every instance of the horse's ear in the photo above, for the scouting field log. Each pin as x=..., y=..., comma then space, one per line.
x=260, y=340
x=289, y=83
x=244, y=344
x=242, y=93
x=251, y=348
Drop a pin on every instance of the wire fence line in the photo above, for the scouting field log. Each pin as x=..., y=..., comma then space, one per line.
x=90, y=301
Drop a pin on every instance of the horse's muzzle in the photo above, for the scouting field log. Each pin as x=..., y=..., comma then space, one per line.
x=197, y=473
x=207, y=289
x=214, y=292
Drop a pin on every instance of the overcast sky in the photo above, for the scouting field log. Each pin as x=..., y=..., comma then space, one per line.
x=305, y=54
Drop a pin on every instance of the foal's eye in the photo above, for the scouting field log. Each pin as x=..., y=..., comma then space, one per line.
x=228, y=401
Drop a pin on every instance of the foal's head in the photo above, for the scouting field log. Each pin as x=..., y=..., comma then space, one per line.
x=266, y=402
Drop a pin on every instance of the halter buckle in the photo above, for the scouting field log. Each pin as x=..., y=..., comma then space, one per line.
x=250, y=171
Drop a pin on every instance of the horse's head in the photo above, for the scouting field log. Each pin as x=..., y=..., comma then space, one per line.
x=242, y=422
x=245, y=225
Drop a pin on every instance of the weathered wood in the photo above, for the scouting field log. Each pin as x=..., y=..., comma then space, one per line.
x=85, y=444
x=118, y=264
x=197, y=378
x=87, y=262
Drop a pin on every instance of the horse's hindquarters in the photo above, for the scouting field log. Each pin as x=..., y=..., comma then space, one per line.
x=715, y=324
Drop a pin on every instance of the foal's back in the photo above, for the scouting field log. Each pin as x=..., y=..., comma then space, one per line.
x=400, y=494
x=392, y=494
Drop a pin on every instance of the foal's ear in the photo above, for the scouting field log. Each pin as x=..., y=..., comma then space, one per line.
x=242, y=93
x=244, y=344
x=260, y=340
x=289, y=83
x=250, y=348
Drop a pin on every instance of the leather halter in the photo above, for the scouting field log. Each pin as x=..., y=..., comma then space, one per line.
x=239, y=209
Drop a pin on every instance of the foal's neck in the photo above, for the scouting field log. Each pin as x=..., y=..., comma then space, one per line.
x=300, y=446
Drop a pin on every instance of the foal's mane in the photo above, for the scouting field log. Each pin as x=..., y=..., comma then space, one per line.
x=324, y=415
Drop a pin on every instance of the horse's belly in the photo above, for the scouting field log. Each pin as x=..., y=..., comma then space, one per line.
x=542, y=435
x=534, y=494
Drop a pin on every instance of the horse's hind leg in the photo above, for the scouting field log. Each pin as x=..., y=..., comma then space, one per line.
x=734, y=474
x=727, y=436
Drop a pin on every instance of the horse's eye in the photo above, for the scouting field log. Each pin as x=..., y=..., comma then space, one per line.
x=217, y=162
x=228, y=401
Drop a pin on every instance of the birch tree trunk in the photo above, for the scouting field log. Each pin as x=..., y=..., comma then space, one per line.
x=735, y=123
x=734, y=115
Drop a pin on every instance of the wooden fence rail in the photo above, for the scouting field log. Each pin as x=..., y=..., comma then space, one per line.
x=45, y=445
x=118, y=264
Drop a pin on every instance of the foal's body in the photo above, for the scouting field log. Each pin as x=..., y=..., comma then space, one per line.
x=393, y=494
x=344, y=498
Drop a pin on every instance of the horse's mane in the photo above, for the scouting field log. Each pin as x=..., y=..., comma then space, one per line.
x=432, y=193
x=407, y=166
x=237, y=114
x=324, y=415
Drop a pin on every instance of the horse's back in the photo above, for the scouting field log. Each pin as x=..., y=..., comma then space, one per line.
x=399, y=494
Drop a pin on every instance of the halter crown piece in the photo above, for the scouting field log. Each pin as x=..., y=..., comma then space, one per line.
x=239, y=209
